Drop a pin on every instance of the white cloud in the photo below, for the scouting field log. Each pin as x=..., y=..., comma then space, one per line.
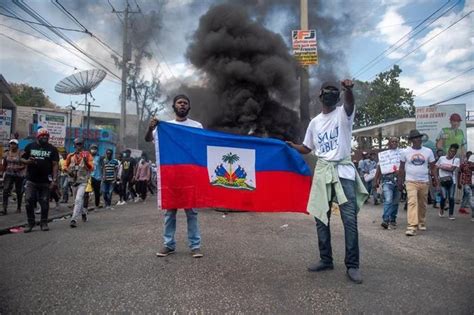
x=390, y=27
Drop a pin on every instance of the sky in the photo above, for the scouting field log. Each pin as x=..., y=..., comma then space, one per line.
x=366, y=30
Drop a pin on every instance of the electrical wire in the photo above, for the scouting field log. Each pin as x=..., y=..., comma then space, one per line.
x=408, y=36
x=41, y=24
x=454, y=97
x=443, y=83
x=425, y=42
x=50, y=39
x=40, y=19
x=73, y=18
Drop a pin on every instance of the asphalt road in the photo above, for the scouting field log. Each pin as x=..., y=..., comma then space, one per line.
x=253, y=263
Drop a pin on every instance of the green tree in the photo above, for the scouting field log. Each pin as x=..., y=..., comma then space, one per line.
x=231, y=159
x=381, y=100
x=26, y=95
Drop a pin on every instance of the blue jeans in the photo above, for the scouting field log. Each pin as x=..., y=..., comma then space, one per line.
x=194, y=236
x=448, y=193
x=107, y=190
x=391, y=198
x=351, y=236
x=468, y=198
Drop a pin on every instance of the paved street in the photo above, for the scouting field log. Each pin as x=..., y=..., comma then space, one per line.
x=253, y=263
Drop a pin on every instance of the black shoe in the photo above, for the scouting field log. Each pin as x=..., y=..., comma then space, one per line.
x=384, y=224
x=73, y=224
x=196, y=253
x=354, y=275
x=320, y=266
x=84, y=217
x=393, y=224
x=44, y=227
x=4, y=212
x=165, y=251
x=28, y=229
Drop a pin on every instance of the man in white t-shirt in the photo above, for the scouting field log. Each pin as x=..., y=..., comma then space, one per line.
x=447, y=167
x=329, y=136
x=181, y=107
x=415, y=163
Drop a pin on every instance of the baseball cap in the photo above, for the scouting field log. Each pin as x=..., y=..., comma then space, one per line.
x=42, y=132
x=15, y=141
x=455, y=117
x=331, y=84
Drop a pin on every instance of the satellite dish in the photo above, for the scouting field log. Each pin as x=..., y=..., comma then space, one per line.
x=81, y=83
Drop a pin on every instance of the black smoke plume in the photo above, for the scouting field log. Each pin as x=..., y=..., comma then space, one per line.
x=250, y=71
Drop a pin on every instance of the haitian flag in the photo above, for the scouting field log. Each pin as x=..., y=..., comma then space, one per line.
x=199, y=168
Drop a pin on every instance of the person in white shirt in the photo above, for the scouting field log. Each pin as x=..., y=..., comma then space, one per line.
x=181, y=107
x=415, y=162
x=387, y=173
x=329, y=135
x=447, y=167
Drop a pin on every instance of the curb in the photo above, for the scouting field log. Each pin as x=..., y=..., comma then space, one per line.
x=6, y=230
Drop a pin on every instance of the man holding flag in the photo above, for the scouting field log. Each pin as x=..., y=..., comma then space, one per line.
x=335, y=178
x=181, y=107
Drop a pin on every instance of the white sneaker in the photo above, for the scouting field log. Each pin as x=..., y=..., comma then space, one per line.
x=451, y=217
x=422, y=227
x=472, y=219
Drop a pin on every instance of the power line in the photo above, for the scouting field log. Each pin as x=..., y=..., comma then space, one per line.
x=40, y=19
x=454, y=97
x=158, y=48
x=426, y=42
x=50, y=39
x=37, y=51
x=26, y=33
x=41, y=24
x=115, y=11
x=408, y=36
x=443, y=83
x=73, y=18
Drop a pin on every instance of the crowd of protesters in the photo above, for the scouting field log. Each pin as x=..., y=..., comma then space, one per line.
x=418, y=177
x=42, y=173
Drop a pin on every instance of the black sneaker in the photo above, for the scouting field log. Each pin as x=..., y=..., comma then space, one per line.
x=28, y=229
x=84, y=217
x=196, y=253
x=165, y=251
x=320, y=266
x=44, y=227
x=73, y=224
x=384, y=224
x=393, y=224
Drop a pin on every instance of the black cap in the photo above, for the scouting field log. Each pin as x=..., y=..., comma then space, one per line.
x=181, y=96
x=332, y=84
x=414, y=134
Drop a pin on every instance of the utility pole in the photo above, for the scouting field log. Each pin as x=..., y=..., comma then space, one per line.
x=304, y=73
x=125, y=59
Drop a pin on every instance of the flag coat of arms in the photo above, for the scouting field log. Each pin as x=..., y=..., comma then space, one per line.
x=199, y=168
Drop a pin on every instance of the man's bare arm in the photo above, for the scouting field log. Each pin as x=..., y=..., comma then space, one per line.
x=348, y=96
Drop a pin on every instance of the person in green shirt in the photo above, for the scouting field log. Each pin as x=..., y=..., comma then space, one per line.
x=450, y=135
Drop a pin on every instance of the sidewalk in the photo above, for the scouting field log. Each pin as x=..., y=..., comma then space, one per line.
x=14, y=219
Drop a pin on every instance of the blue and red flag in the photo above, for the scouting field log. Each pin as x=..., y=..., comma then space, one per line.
x=200, y=168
